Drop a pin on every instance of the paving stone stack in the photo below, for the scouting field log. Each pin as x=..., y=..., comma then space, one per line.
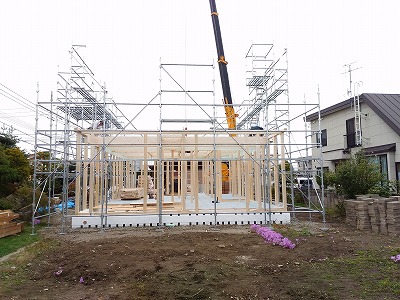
x=382, y=206
x=373, y=212
x=393, y=218
x=363, y=218
x=351, y=212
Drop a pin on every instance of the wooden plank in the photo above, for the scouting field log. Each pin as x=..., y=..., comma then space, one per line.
x=14, y=228
x=7, y=216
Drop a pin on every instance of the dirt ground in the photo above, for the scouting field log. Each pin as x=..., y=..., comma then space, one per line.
x=198, y=262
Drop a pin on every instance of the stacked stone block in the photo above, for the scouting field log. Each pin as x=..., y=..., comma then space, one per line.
x=363, y=219
x=393, y=218
x=373, y=212
x=377, y=214
x=351, y=212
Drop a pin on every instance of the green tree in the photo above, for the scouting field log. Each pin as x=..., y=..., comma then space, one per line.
x=356, y=176
x=8, y=174
x=14, y=165
x=8, y=141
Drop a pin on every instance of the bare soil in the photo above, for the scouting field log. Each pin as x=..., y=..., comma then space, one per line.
x=197, y=262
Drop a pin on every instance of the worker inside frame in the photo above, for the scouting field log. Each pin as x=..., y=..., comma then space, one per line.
x=98, y=124
x=256, y=128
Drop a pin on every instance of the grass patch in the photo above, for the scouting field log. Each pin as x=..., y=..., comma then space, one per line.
x=372, y=273
x=369, y=274
x=291, y=231
x=16, y=270
x=12, y=243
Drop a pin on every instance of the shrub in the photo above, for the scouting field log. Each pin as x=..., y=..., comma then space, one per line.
x=356, y=176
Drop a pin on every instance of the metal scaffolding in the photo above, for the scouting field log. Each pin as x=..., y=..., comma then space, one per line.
x=189, y=169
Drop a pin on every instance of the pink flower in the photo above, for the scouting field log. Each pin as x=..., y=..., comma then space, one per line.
x=272, y=237
x=58, y=273
x=395, y=258
x=81, y=280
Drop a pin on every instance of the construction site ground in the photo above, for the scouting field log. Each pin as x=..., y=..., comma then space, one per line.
x=330, y=261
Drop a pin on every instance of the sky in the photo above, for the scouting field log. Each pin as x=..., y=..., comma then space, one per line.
x=125, y=41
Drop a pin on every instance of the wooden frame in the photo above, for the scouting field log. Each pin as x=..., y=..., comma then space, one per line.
x=181, y=169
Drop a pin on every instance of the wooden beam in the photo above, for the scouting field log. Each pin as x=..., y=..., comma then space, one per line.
x=92, y=178
x=78, y=171
x=276, y=170
x=283, y=169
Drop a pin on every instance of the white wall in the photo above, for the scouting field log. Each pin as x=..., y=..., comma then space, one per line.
x=375, y=132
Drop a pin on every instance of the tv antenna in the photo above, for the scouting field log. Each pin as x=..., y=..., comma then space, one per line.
x=349, y=92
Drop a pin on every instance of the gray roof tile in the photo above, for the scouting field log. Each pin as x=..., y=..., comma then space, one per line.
x=386, y=106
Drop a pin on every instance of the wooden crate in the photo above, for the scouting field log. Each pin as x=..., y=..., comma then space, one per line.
x=7, y=225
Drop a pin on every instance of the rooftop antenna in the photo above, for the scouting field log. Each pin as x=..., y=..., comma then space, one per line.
x=349, y=92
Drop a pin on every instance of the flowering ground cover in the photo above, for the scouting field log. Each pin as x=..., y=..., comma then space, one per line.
x=328, y=262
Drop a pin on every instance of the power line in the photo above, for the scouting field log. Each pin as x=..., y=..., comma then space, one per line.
x=25, y=102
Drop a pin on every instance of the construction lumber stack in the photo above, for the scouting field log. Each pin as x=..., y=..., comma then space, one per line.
x=7, y=224
x=132, y=193
x=393, y=218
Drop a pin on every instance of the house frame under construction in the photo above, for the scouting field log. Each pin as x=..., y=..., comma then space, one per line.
x=194, y=175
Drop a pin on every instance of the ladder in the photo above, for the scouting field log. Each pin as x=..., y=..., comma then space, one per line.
x=357, y=119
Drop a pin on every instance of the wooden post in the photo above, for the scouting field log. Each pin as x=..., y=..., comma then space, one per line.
x=263, y=178
x=239, y=176
x=242, y=177
x=191, y=175
x=78, y=191
x=276, y=171
x=168, y=178
x=145, y=173
x=257, y=176
x=114, y=178
x=161, y=189
x=97, y=177
x=195, y=178
x=85, y=176
x=128, y=174
x=120, y=176
x=248, y=187
x=219, y=176
x=92, y=179
x=283, y=168
x=184, y=178
x=173, y=177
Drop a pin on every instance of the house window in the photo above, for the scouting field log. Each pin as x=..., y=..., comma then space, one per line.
x=324, y=138
x=350, y=133
x=383, y=165
x=381, y=161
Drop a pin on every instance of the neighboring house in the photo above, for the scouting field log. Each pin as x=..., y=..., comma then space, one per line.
x=370, y=122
